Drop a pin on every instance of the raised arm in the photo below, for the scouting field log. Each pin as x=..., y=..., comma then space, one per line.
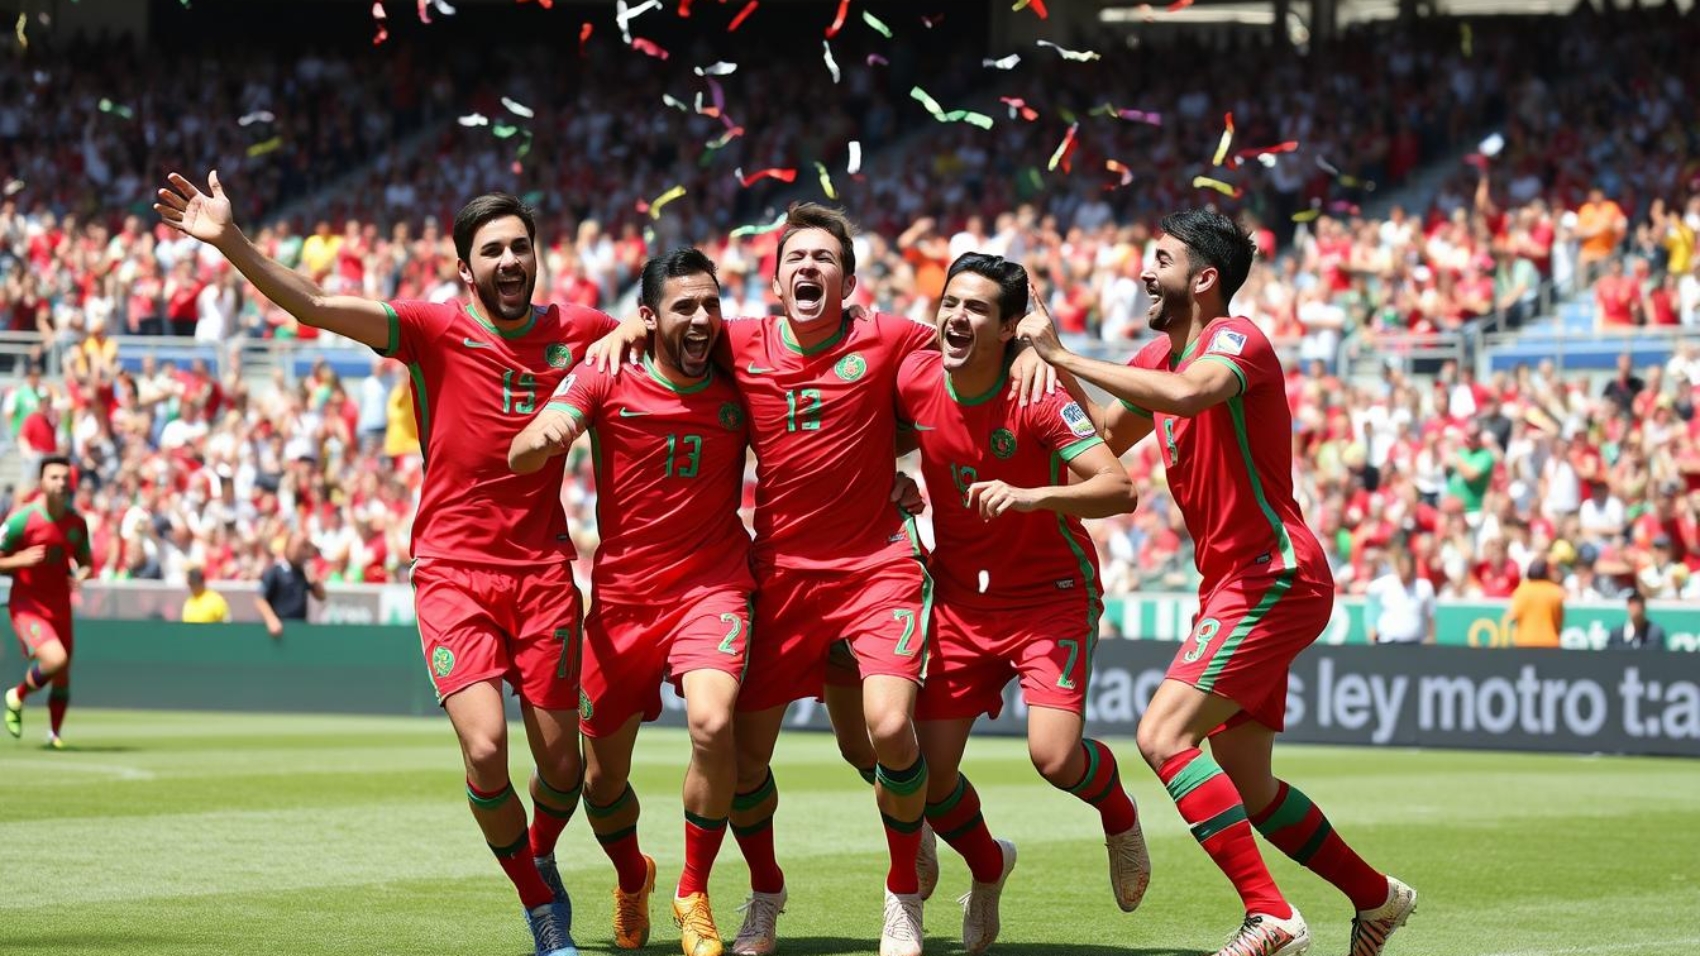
x=208, y=217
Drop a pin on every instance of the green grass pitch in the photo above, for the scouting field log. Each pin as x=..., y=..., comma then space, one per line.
x=241, y=835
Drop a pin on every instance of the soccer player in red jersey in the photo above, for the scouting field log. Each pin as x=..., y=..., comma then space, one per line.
x=1017, y=578
x=669, y=445
x=1211, y=389
x=39, y=542
x=492, y=575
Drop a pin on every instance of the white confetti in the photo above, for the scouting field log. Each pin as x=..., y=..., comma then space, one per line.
x=624, y=15
x=1007, y=63
x=258, y=116
x=1493, y=145
x=675, y=103
x=443, y=8
x=855, y=165
x=831, y=64
x=517, y=108
x=1081, y=56
x=719, y=68
x=985, y=580
x=1267, y=159
x=474, y=119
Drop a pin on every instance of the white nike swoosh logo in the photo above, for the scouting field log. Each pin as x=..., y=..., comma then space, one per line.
x=474, y=344
x=757, y=370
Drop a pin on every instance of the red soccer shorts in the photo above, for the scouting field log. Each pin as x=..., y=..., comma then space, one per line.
x=1049, y=646
x=629, y=649
x=35, y=629
x=883, y=613
x=521, y=624
x=1247, y=633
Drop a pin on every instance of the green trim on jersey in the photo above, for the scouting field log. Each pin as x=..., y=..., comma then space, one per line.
x=1088, y=575
x=531, y=323
x=1238, y=372
x=983, y=397
x=394, y=342
x=926, y=624
x=1236, y=408
x=834, y=339
x=655, y=373
x=564, y=407
x=1282, y=583
x=1080, y=447
x=1135, y=408
x=424, y=399
x=1191, y=347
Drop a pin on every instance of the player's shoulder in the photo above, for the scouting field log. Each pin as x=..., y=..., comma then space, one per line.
x=426, y=309
x=1153, y=354
x=1059, y=407
x=922, y=366
x=1234, y=335
x=573, y=317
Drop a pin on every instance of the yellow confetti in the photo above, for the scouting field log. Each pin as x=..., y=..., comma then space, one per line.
x=664, y=199
x=23, y=41
x=826, y=181
x=1309, y=215
x=1227, y=140
x=1466, y=39
x=265, y=146
x=1205, y=182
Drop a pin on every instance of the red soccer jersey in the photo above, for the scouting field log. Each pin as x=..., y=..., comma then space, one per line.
x=669, y=472
x=1230, y=468
x=825, y=437
x=1028, y=558
x=474, y=389
x=46, y=588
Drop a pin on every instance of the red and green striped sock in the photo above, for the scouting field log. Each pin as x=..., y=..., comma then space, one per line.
x=1101, y=787
x=957, y=821
x=553, y=810
x=1298, y=828
x=615, y=826
x=703, y=837
x=515, y=859
x=752, y=826
x=1211, y=806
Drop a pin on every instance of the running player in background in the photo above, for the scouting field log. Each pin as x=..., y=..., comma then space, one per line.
x=38, y=544
x=834, y=562
x=1212, y=389
x=492, y=575
x=1018, y=591
x=669, y=446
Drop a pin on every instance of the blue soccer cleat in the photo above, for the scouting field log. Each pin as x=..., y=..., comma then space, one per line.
x=551, y=874
x=551, y=930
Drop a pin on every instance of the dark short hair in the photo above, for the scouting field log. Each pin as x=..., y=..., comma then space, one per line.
x=1214, y=240
x=813, y=215
x=486, y=208
x=1010, y=277
x=1636, y=597
x=51, y=460
x=682, y=261
x=1538, y=569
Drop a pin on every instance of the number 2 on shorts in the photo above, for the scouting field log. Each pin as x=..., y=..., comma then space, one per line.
x=908, y=618
x=736, y=628
x=1207, y=629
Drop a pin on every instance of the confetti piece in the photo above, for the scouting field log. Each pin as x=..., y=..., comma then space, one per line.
x=1287, y=147
x=731, y=135
x=1493, y=145
x=1064, y=149
x=1353, y=182
x=664, y=199
x=378, y=10
x=1035, y=179
x=986, y=576
x=1043, y=14
x=268, y=146
x=838, y=21
x=650, y=47
x=517, y=108
x=258, y=116
x=875, y=58
x=783, y=175
x=383, y=34
x=504, y=130
x=1326, y=166
x=1227, y=139
x=1466, y=39
x=1018, y=106
x=1080, y=56
x=718, y=68
x=1309, y=215
x=876, y=24
x=718, y=95
x=425, y=12
x=444, y=8
x=669, y=99
x=826, y=181
x=1345, y=206
x=954, y=116
x=831, y=64
x=516, y=167
x=1266, y=160
x=1117, y=167
x=378, y=17
x=755, y=230
x=584, y=36
x=1205, y=182
x=743, y=15
x=684, y=9
x=623, y=15
x=117, y=109
x=932, y=21
x=855, y=164
x=1178, y=5
x=13, y=188
x=474, y=119
x=1007, y=63
x=1139, y=116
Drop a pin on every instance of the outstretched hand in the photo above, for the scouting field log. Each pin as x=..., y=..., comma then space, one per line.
x=1031, y=375
x=185, y=208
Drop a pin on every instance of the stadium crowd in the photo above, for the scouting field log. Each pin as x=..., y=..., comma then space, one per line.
x=207, y=464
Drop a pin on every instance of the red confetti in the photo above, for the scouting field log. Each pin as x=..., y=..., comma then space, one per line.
x=1178, y=6
x=783, y=175
x=584, y=36
x=378, y=16
x=1018, y=105
x=685, y=9
x=1038, y=8
x=838, y=21
x=743, y=15
x=424, y=11
x=1065, y=151
x=383, y=35
x=1245, y=154
x=650, y=47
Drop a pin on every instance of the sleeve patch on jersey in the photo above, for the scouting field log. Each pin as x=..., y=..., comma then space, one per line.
x=1231, y=343
x=1078, y=422
x=566, y=384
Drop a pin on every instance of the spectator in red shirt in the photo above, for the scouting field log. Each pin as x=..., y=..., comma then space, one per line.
x=1496, y=575
x=1618, y=297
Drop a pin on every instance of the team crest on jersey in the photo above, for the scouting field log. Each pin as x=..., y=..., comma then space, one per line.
x=1078, y=422
x=1231, y=343
x=1003, y=443
x=731, y=416
x=558, y=355
x=443, y=661
x=586, y=709
x=851, y=367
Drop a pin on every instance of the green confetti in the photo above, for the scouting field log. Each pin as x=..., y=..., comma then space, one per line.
x=504, y=130
x=875, y=25
x=757, y=230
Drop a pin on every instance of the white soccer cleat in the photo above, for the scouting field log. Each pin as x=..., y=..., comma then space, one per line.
x=902, y=933
x=927, y=861
x=980, y=923
x=1130, y=867
x=1370, y=928
x=1264, y=935
x=759, y=936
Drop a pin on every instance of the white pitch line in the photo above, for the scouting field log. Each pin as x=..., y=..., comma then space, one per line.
x=1659, y=945
x=111, y=770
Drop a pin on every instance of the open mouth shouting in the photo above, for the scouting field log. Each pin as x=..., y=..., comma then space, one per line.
x=958, y=342
x=808, y=298
x=693, y=350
